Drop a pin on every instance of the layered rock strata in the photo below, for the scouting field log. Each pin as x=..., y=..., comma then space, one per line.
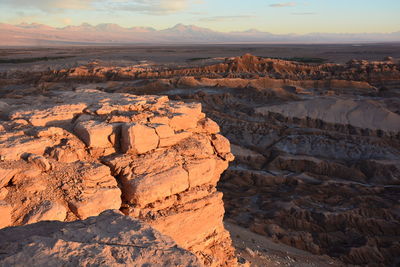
x=316, y=145
x=244, y=70
x=110, y=239
x=71, y=155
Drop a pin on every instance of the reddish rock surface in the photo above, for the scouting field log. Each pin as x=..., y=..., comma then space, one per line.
x=110, y=239
x=156, y=160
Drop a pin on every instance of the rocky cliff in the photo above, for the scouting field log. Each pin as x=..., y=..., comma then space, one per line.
x=70, y=155
x=110, y=239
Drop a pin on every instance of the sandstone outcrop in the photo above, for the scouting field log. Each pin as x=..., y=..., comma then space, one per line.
x=110, y=239
x=71, y=155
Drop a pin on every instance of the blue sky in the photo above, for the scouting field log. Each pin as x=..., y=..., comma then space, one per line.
x=340, y=16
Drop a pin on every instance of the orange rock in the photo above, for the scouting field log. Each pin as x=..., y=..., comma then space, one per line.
x=6, y=213
x=173, y=140
x=201, y=172
x=46, y=211
x=51, y=132
x=99, y=192
x=159, y=120
x=162, y=166
x=39, y=161
x=49, y=116
x=6, y=174
x=94, y=133
x=3, y=193
x=191, y=109
x=96, y=202
x=14, y=148
x=137, y=138
x=209, y=126
x=163, y=130
x=221, y=144
x=149, y=188
x=110, y=239
x=183, y=121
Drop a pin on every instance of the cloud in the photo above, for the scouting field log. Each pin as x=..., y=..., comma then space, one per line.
x=155, y=7
x=225, y=18
x=287, y=4
x=66, y=21
x=304, y=13
x=49, y=5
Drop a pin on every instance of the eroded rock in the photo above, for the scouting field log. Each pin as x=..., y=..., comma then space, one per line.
x=137, y=138
x=6, y=214
x=46, y=211
x=94, y=133
x=109, y=239
x=156, y=160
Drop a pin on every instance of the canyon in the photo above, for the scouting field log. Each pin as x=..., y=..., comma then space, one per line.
x=305, y=154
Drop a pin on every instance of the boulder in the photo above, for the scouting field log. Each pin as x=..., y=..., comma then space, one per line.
x=39, y=162
x=221, y=144
x=94, y=133
x=46, y=211
x=209, y=126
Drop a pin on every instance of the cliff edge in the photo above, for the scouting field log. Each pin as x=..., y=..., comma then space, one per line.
x=67, y=156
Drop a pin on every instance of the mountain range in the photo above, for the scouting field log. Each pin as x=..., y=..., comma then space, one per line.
x=42, y=35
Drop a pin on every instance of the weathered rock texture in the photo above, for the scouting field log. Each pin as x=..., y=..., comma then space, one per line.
x=317, y=148
x=110, y=239
x=71, y=155
x=239, y=67
x=317, y=161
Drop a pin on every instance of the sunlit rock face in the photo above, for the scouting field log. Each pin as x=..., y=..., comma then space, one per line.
x=110, y=239
x=71, y=155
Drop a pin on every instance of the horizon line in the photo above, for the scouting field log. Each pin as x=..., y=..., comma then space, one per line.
x=192, y=25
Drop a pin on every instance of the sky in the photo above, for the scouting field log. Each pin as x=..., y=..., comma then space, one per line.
x=275, y=16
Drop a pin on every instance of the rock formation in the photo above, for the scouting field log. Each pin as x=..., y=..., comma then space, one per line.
x=317, y=151
x=110, y=239
x=71, y=155
x=361, y=114
x=247, y=66
x=237, y=72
